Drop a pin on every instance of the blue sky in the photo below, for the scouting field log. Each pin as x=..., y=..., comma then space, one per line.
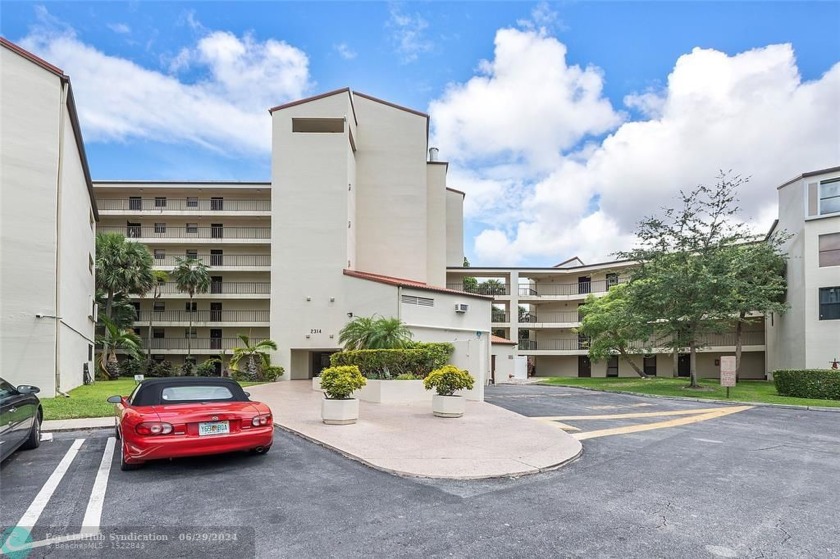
x=564, y=122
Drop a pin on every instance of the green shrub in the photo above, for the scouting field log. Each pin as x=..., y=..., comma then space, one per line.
x=340, y=382
x=207, y=368
x=263, y=374
x=272, y=373
x=821, y=384
x=161, y=369
x=187, y=369
x=130, y=367
x=447, y=379
x=419, y=360
x=406, y=376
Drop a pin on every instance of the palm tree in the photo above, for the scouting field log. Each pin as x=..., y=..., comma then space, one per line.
x=191, y=277
x=118, y=338
x=252, y=353
x=491, y=287
x=160, y=278
x=123, y=267
x=375, y=333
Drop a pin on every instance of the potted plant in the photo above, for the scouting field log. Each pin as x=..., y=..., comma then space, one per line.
x=339, y=383
x=446, y=381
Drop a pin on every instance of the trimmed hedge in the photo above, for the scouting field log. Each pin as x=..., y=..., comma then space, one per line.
x=419, y=360
x=821, y=384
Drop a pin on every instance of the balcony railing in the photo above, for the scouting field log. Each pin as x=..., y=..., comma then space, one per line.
x=202, y=316
x=160, y=205
x=224, y=288
x=480, y=289
x=549, y=318
x=196, y=344
x=234, y=260
x=755, y=338
x=570, y=344
x=541, y=290
x=154, y=232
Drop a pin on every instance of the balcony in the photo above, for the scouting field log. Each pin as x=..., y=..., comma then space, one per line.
x=220, y=288
x=197, y=345
x=571, y=344
x=153, y=234
x=567, y=289
x=199, y=318
x=219, y=260
x=175, y=206
x=710, y=343
x=492, y=290
x=542, y=318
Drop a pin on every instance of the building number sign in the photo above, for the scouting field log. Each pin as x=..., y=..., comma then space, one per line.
x=315, y=331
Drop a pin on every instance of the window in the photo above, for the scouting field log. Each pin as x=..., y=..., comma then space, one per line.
x=191, y=306
x=217, y=230
x=160, y=254
x=829, y=196
x=612, y=279
x=829, y=250
x=216, y=258
x=191, y=253
x=217, y=204
x=650, y=365
x=318, y=125
x=195, y=393
x=215, y=284
x=192, y=202
x=612, y=366
x=192, y=227
x=159, y=306
x=133, y=230
x=160, y=228
x=584, y=284
x=190, y=334
x=158, y=333
x=160, y=201
x=135, y=203
x=830, y=303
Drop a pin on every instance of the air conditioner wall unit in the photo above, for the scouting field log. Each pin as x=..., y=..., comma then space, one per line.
x=461, y=307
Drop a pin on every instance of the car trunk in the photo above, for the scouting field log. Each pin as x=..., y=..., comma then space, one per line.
x=185, y=418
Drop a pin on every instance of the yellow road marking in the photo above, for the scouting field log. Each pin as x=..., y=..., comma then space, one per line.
x=618, y=407
x=561, y=425
x=636, y=415
x=714, y=413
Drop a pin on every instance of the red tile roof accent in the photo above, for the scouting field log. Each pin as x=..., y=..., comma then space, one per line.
x=500, y=340
x=401, y=282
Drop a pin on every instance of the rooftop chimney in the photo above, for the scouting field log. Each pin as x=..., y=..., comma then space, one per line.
x=433, y=154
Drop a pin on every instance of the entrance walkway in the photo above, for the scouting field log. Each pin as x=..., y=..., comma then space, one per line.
x=406, y=439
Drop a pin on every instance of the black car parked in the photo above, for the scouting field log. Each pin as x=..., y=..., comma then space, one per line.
x=20, y=418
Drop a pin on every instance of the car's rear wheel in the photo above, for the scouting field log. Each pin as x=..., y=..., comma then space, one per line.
x=126, y=466
x=34, y=439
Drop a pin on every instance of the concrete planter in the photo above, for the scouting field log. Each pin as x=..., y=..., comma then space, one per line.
x=316, y=384
x=339, y=412
x=393, y=392
x=448, y=406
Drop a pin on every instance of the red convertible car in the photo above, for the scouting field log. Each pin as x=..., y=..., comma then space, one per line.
x=189, y=416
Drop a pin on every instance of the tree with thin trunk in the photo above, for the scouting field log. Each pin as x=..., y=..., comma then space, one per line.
x=123, y=268
x=681, y=282
x=117, y=338
x=613, y=328
x=256, y=356
x=191, y=277
x=160, y=278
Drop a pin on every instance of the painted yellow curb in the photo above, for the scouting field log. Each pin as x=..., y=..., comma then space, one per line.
x=715, y=413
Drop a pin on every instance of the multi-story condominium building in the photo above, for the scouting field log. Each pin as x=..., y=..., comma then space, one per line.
x=225, y=225
x=47, y=228
x=808, y=335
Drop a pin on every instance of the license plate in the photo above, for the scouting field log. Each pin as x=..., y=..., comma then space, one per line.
x=213, y=428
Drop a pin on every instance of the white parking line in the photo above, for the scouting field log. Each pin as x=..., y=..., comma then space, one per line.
x=93, y=514
x=33, y=513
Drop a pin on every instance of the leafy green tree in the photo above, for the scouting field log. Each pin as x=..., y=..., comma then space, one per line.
x=678, y=284
x=123, y=268
x=612, y=327
x=470, y=283
x=117, y=338
x=375, y=333
x=191, y=277
x=123, y=313
x=756, y=275
x=491, y=287
x=256, y=356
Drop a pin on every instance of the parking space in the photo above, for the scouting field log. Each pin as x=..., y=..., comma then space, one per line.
x=764, y=479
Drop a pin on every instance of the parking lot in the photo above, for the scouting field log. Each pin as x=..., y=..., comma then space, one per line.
x=761, y=482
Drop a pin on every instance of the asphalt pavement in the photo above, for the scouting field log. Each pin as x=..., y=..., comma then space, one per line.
x=762, y=482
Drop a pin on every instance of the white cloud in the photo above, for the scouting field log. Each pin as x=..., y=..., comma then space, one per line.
x=344, y=51
x=120, y=28
x=408, y=34
x=223, y=110
x=526, y=122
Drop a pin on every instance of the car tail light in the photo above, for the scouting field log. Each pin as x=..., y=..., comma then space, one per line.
x=261, y=420
x=153, y=428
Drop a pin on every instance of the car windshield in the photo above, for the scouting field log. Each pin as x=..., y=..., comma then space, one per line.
x=196, y=393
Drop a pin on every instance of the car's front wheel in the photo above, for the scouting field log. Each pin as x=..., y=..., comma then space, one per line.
x=126, y=466
x=34, y=439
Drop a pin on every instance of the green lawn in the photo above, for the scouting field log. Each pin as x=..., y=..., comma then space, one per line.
x=746, y=391
x=89, y=400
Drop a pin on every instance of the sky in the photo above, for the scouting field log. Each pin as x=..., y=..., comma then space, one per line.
x=565, y=123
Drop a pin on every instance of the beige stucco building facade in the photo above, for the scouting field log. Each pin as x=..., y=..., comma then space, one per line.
x=47, y=228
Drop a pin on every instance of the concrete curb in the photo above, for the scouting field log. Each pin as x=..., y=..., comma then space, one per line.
x=688, y=399
x=84, y=424
x=415, y=476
